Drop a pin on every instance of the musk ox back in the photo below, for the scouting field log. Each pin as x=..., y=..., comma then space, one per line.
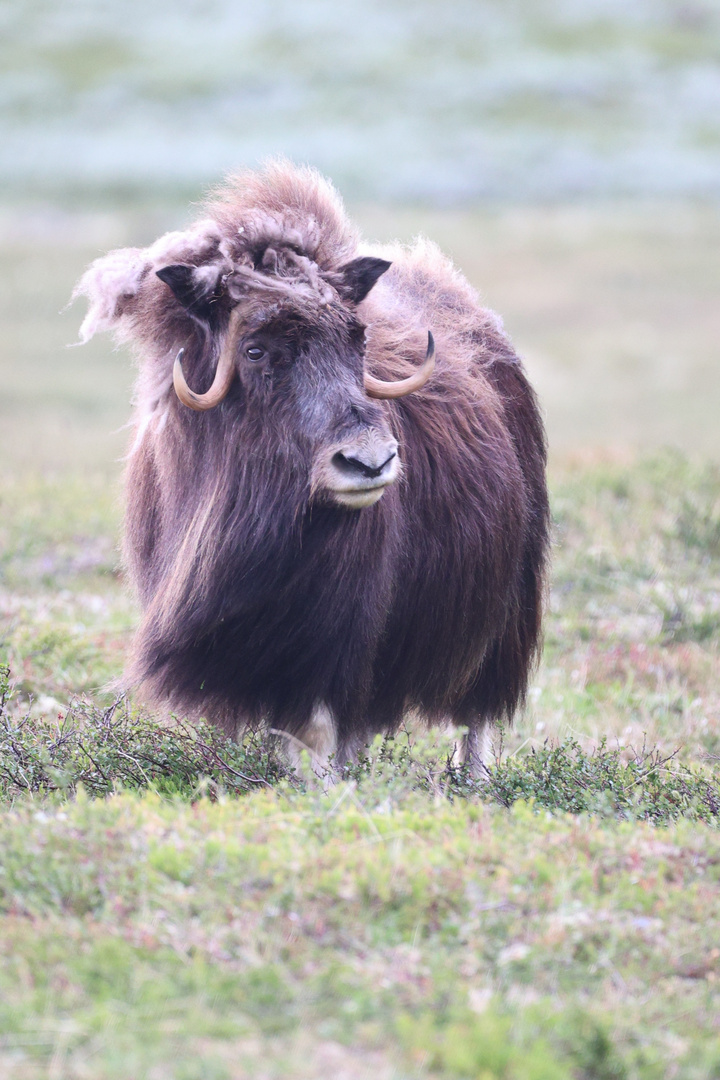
x=328, y=526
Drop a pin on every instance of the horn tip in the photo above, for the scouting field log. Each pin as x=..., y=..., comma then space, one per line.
x=183, y=391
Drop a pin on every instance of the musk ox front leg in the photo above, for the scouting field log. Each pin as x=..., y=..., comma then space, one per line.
x=318, y=737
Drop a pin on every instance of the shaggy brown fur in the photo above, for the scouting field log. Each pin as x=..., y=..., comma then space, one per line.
x=263, y=599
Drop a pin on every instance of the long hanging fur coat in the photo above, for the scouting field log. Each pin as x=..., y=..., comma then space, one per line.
x=262, y=603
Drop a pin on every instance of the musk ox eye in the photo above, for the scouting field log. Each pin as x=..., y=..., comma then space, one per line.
x=254, y=353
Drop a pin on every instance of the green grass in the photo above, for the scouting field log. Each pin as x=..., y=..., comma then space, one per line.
x=633, y=634
x=143, y=936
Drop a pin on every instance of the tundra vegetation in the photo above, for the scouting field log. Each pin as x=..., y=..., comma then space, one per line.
x=175, y=905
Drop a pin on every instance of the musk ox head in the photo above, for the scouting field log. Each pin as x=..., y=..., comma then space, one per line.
x=277, y=338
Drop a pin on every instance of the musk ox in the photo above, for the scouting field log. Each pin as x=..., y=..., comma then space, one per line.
x=336, y=502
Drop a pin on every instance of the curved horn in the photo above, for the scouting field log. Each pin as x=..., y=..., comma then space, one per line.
x=224, y=374
x=376, y=388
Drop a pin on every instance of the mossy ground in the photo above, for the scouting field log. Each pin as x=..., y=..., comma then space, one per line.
x=360, y=932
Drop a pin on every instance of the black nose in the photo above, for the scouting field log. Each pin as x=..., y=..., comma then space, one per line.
x=355, y=465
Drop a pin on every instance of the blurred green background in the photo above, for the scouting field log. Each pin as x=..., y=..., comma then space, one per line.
x=398, y=100
x=565, y=153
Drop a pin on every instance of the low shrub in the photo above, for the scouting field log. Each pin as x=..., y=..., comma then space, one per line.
x=117, y=747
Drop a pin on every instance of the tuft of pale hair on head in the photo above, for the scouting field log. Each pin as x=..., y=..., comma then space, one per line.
x=292, y=201
x=107, y=283
x=195, y=244
x=113, y=280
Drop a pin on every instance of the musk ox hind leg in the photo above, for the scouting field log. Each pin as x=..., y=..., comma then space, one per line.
x=476, y=748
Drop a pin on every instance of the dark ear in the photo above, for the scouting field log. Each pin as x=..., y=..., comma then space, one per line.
x=180, y=280
x=356, y=278
x=188, y=288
